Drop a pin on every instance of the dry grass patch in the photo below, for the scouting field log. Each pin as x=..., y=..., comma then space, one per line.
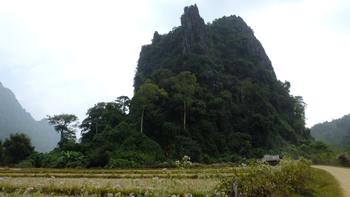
x=74, y=186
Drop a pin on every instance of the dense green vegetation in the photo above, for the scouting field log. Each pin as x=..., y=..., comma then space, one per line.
x=289, y=178
x=335, y=133
x=15, y=149
x=221, y=100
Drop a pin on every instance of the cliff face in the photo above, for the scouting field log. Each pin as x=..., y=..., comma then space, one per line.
x=195, y=32
x=239, y=103
x=13, y=118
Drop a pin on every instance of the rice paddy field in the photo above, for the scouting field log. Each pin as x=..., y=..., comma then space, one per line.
x=289, y=178
x=122, y=182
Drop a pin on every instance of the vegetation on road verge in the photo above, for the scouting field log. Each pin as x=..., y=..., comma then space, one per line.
x=289, y=178
x=324, y=184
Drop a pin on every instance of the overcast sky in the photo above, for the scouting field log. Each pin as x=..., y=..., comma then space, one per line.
x=64, y=56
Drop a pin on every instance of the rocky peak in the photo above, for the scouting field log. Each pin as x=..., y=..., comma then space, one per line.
x=191, y=14
x=156, y=37
x=194, y=30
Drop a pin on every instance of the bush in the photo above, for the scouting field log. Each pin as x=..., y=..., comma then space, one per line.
x=25, y=164
x=184, y=163
x=344, y=159
x=187, y=146
x=317, y=152
x=130, y=159
x=98, y=157
x=114, y=146
x=285, y=179
x=16, y=148
x=121, y=163
x=64, y=159
x=74, y=159
x=33, y=161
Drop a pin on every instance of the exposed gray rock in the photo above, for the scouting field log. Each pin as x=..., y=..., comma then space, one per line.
x=253, y=46
x=156, y=37
x=194, y=30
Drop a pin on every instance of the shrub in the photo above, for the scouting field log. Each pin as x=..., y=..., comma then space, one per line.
x=33, y=161
x=25, y=164
x=344, y=159
x=187, y=146
x=16, y=148
x=73, y=159
x=184, y=163
x=259, y=179
x=64, y=159
x=130, y=159
x=121, y=163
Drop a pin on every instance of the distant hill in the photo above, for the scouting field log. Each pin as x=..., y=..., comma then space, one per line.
x=336, y=132
x=13, y=119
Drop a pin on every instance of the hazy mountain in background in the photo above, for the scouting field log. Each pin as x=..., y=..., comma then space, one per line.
x=13, y=119
x=335, y=132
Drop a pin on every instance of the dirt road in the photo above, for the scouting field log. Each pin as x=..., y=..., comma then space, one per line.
x=341, y=174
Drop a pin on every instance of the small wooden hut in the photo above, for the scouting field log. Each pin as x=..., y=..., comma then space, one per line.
x=271, y=159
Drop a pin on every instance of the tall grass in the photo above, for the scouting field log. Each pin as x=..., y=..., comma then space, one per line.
x=289, y=178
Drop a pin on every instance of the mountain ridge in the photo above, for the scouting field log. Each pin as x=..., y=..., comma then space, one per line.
x=14, y=118
x=335, y=132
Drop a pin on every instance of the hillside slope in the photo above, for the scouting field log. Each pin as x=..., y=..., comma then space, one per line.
x=13, y=118
x=335, y=132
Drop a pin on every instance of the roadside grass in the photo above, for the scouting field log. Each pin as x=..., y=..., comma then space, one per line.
x=290, y=178
x=324, y=184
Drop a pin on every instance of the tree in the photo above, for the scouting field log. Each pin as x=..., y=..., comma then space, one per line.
x=185, y=85
x=16, y=148
x=104, y=115
x=298, y=113
x=124, y=103
x=64, y=124
x=145, y=95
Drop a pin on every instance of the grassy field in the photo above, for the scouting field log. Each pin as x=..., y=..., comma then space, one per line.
x=141, y=182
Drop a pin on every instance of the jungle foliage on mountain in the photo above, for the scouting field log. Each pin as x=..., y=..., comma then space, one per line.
x=336, y=133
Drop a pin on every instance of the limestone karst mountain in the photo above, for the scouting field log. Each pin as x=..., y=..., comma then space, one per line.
x=238, y=106
x=13, y=119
